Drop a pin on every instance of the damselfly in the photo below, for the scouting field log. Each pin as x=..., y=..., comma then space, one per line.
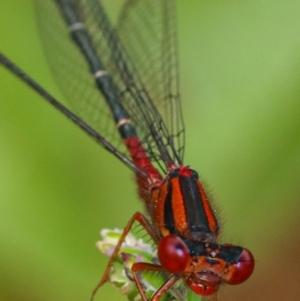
x=133, y=86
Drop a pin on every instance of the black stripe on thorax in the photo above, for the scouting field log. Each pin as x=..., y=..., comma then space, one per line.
x=169, y=220
x=195, y=213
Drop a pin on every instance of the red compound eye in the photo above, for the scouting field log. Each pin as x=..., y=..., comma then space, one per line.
x=241, y=270
x=173, y=254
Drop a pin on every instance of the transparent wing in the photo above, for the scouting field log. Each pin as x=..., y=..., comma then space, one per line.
x=71, y=72
x=145, y=100
x=147, y=29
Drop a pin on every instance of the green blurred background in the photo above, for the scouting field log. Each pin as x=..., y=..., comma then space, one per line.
x=240, y=86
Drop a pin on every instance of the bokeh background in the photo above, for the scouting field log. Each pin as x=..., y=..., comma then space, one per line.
x=240, y=75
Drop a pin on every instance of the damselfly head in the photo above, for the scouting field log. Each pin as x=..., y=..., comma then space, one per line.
x=204, y=266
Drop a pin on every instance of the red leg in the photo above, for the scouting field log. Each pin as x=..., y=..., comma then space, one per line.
x=137, y=217
x=142, y=266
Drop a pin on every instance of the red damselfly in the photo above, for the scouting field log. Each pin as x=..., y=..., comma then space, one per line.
x=132, y=84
